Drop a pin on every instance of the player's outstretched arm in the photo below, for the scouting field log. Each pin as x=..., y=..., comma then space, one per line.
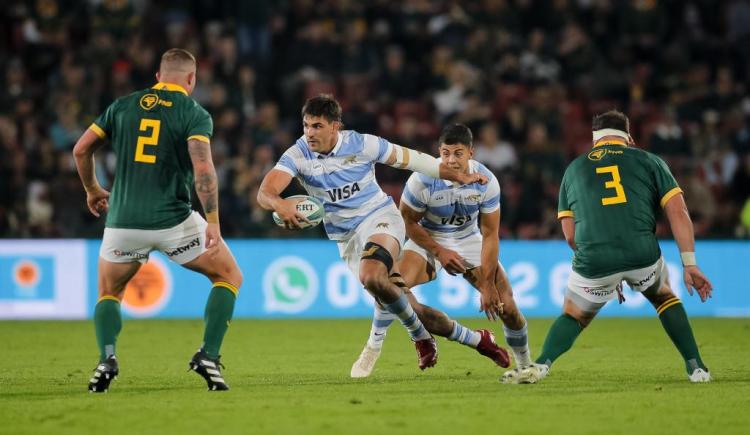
x=406, y=158
x=489, y=225
x=682, y=229
x=207, y=187
x=97, y=198
x=269, y=197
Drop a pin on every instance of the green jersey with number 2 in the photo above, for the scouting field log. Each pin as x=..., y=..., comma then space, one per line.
x=149, y=130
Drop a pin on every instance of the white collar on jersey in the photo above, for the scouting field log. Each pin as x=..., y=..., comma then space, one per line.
x=333, y=152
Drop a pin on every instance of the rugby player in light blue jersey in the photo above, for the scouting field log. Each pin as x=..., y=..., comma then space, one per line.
x=338, y=168
x=456, y=228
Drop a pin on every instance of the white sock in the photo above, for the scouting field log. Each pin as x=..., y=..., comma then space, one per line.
x=519, y=343
x=408, y=317
x=381, y=320
x=465, y=335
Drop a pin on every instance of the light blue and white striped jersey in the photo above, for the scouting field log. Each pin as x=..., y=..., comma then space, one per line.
x=452, y=210
x=343, y=180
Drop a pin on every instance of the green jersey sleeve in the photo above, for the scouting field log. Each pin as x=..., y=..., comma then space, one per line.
x=201, y=126
x=666, y=185
x=104, y=124
x=563, y=206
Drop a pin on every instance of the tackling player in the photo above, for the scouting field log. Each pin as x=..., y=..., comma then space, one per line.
x=609, y=198
x=338, y=167
x=455, y=227
x=161, y=138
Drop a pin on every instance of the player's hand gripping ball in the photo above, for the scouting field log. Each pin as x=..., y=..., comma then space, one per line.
x=309, y=207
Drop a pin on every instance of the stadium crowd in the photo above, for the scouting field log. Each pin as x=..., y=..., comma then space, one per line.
x=525, y=75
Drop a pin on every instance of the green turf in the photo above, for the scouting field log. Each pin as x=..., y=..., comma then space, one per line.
x=291, y=377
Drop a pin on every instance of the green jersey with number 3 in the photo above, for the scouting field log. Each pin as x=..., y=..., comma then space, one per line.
x=613, y=193
x=149, y=130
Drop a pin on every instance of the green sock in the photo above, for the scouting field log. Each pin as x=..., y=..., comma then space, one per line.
x=219, y=310
x=675, y=321
x=108, y=323
x=561, y=336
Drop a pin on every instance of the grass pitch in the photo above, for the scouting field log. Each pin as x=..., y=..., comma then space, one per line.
x=292, y=377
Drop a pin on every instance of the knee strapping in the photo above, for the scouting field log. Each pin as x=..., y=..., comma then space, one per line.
x=398, y=281
x=373, y=251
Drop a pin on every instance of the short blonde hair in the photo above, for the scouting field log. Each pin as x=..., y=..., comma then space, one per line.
x=177, y=59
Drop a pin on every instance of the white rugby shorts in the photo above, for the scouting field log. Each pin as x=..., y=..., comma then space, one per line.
x=469, y=247
x=387, y=220
x=182, y=243
x=590, y=294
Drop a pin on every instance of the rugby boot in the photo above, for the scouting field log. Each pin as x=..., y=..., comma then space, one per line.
x=210, y=370
x=104, y=373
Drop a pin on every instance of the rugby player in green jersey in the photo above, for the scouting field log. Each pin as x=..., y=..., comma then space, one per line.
x=609, y=199
x=161, y=138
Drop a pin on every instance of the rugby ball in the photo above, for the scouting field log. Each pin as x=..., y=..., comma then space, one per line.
x=309, y=207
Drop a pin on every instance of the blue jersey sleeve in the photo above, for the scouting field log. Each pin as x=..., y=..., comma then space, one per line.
x=415, y=194
x=288, y=161
x=491, y=200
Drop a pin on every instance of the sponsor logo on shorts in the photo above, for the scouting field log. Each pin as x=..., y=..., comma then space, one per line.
x=184, y=248
x=646, y=279
x=131, y=254
x=598, y=291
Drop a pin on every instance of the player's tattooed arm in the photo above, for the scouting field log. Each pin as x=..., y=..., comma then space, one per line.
x=206, y=181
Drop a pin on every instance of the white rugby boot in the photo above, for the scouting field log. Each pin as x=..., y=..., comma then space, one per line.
x=364, y=365
x=699, y=376
x=533, y=373
x=512, y=376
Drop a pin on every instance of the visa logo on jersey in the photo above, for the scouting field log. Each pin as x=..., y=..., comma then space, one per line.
x=28, y=277
x=341, y=193
x=455, y=220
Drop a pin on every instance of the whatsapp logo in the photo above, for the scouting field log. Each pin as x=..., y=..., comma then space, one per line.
x=290, y=285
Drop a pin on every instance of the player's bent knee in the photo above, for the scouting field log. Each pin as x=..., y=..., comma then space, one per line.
x=236, y=277
x=582, y=314
x=109, y=293
x=374, y=281
x=658, y=299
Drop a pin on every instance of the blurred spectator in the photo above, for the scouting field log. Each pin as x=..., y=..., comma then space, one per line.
x=668, y=138
x=497, y=155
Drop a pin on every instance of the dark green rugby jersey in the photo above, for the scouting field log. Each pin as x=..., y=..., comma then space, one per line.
x=613, y=194
x=149, y=130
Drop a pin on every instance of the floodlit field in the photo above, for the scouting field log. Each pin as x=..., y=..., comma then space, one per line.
x=292, y=377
